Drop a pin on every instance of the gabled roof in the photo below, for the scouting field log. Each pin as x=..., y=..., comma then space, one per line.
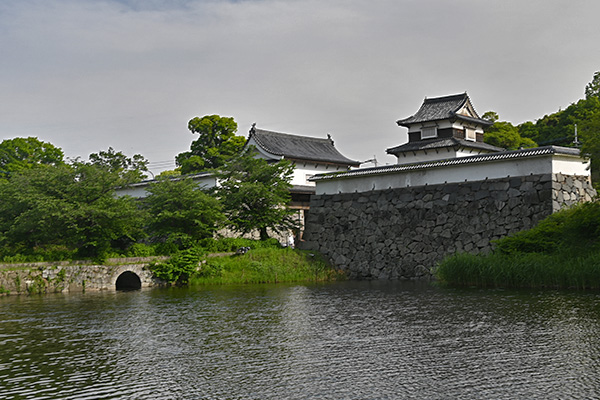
x=456, y=106
x=432, y=144
x=301, y=148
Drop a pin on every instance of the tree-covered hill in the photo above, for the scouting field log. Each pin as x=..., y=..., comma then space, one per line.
x=558, y=128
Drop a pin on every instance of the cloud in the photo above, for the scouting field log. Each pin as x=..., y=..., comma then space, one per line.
x=86, y=75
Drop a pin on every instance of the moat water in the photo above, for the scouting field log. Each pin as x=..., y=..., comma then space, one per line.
x=349, y=340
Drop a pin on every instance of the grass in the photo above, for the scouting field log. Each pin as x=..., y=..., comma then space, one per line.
x=265, y=265
x=57, y=253
x=533, y=270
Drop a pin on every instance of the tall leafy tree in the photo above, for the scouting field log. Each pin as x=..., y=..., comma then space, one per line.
x=25, y=153
x=559, y=128
x=504, y=134
x=590, y=139
x=592, y=89
x=255, y=193
x=180, y=212
x=528, y=130
x=491, y=116
x=217, y=143
x=126, y=169
x=73, y=206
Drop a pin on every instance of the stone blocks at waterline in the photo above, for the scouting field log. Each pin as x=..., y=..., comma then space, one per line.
x=64, y=277
x=403, y=233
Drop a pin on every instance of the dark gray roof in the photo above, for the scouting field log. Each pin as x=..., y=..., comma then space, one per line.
x=481, y=158
x=440, y=108
x=173, y=178
x=432, y=144
x=303, y=189
x=300, y=147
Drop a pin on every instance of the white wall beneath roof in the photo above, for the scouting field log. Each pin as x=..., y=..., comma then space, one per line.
x=261, y=152
x=137, y=192
x=439, y=124
x=430, y=155
x=433, y=155
x=547, y=164
x=304, y=170
x=567, y=166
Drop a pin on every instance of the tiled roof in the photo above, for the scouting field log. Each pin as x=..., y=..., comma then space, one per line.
x=299, y=147
x=432, y=144
x=481, y=158
x=440, y=108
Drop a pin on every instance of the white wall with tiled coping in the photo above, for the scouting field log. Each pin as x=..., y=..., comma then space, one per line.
x=476, y=168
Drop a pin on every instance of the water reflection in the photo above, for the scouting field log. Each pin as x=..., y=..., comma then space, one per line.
x=351, y=340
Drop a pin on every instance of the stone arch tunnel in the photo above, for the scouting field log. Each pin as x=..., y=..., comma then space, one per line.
x=128, y=281
x=130, y=277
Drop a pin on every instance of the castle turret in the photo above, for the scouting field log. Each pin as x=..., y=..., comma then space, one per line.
x=444, y=127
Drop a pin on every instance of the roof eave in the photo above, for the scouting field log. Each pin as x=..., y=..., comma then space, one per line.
x=483, y=122
x=349, y=163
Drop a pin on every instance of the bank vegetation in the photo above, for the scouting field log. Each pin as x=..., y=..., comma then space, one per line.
x=241, y=261
x=562, y=251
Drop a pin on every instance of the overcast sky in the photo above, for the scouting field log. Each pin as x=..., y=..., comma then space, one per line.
x=88, y=74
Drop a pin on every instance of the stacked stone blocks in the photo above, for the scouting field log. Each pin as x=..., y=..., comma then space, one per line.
x=403, y=233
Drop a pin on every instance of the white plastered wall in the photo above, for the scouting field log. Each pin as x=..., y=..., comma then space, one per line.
x=546, y=164
x=439, y=154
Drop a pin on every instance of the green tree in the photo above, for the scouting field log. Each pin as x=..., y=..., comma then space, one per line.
x=73, y=206
x=559, y=128
x=170, y=173
x=506, y=135
x=180, y=267
x=216, y=144
x=255, y=193
x=490, y=116
x=24, y=153
x=127, y=169
x=180, y=212
x=528, y=130
x=592, y=89
x=590, y=139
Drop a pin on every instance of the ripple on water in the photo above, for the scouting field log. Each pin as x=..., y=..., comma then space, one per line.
x=352, y=340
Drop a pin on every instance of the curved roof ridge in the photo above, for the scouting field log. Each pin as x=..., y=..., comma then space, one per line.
x=261, y=139
x=300, y=147
x=440, y=108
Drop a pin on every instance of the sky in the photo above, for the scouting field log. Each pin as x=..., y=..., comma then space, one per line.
x=86, y=75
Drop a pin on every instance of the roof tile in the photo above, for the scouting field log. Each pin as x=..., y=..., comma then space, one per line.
x=440, y=108
x=300, y=147
x=431, y=144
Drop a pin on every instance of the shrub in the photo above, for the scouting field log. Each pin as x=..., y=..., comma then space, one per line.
x=562, y=251
x=140, y=250
x=179, y=267
x=232, y=244
x=575, y=230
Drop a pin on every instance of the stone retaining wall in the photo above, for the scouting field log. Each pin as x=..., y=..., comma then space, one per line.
x=402, y=233
x=53, y=278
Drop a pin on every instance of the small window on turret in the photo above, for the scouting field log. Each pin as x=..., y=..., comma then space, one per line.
x=427, y=133
x=470, y=134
